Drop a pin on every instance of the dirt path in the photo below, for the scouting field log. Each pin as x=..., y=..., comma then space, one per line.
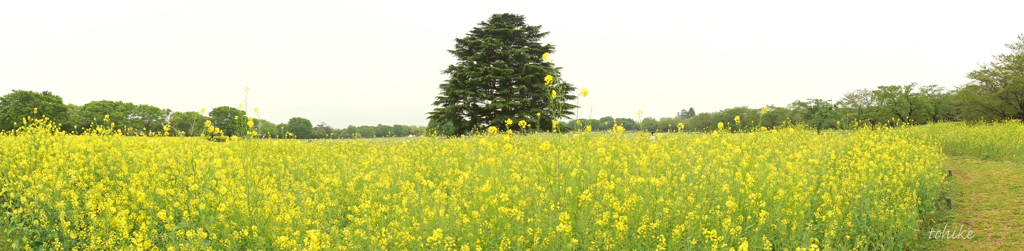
x=988, y=199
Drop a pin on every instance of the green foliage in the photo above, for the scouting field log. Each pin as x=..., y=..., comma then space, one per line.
x=300, y=127
x=500, y=75
x=728, y=119
x=266, y=129
x=701, y=122
x=750, y=119
x=366, y=131
x=282, y=130
x=188, y=123
x=903, y=104
x=997, y=89
x=627, y=123
x=318, y=133
x=580, y=124
x=322, y=131
x=19, y=104
x=668, y=124
x=104, y=113
x=941, y=100
x=351, y=130
x=439, y=127
x=685, y=114
x=400, y=130
x=230, y=120
x=383, y=130
x=775, y=117
x=860, y=106
x=147, y=117
x=606, y=123
x=648, y=124
x=817, y=113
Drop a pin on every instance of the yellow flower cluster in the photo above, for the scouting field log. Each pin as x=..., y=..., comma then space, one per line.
x=781, y=189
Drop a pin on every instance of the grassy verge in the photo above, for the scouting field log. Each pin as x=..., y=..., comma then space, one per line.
x=988, y=199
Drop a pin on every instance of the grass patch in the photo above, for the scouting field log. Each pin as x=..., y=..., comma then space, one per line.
x=987, y=199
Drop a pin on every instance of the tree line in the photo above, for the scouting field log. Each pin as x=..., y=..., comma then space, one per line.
x=995, y=92
x=142, y=119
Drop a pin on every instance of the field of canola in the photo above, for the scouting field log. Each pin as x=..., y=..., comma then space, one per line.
x=784, y=189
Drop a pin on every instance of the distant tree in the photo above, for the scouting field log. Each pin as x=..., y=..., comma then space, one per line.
x=861, y=107
x=282, y=130
x=191, y=123
x=265, y=128
x=351, y=130
x=626, y=123
x=996, y=91
x=941, y=100
x=318, y=133
x=902, y=103
x=146, y=118
x=669, y=124
x=367, y=131
x=605, y=123
x=384, y=130
x=322, y=131
x=701, y=122
x=817, y=113
x=19, y=104
x=417, y=130
x=339, y=133
x=776, y=116
x=500, y=75
x=230, y=120
x=580, y=124
x=300, y=127
x=748, y=118
x=74, y=119
x=439, y=127
x=400, y=130
x=685, y=114
x=647, y=124
x=104, y=113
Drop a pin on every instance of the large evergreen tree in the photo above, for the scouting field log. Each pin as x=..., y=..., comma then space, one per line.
x=500, y=75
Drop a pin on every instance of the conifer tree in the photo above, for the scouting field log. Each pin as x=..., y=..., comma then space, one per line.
x=499, y=76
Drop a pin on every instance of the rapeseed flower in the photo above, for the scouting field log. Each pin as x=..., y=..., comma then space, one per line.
x=538, y=191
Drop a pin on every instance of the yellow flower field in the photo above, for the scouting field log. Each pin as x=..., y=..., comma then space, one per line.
x=786, y=189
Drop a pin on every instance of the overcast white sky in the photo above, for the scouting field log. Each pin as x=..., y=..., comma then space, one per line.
x=379, y=62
